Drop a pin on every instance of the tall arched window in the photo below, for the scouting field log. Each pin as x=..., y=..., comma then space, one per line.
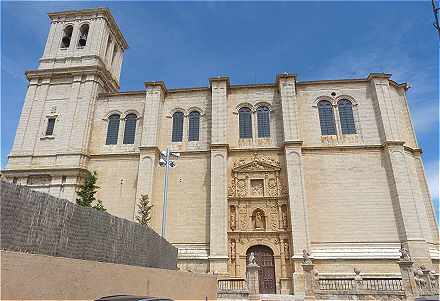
x=326, y=118
x=345, y=109
x=112, y=129
x=194, y=126
x=263, y=120
x=67, y=36
x=130, y=128
x=177, y=134
x=245, y=122
x=83, y=34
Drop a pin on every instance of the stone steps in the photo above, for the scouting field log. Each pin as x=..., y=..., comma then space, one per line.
x=278, y=297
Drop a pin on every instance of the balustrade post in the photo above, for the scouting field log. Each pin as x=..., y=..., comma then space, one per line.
x=308, y=281
x=408, y=280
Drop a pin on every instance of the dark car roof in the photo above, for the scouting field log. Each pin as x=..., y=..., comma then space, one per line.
x=130, y=298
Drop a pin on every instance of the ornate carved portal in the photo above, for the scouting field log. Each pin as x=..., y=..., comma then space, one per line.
x=259, y=215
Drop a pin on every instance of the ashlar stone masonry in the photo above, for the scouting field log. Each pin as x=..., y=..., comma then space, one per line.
x=330, y=166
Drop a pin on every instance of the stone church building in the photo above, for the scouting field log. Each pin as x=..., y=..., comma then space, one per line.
x=329, y=166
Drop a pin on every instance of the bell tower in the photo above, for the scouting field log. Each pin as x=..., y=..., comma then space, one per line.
x=85, y=38
x=82, y=58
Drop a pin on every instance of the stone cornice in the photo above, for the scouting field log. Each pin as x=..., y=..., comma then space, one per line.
x=293, y=143
x=219, y=146
x=36, y=170
x=286, y=76
x=116, y=94
x=219, y=79
x=94, y=12
x=160, y=84
x=254, y=149
x=77, y=70
x=194, y=89
x=275, y=85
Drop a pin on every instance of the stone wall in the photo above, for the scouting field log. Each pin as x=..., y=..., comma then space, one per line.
x=37, y=222
x=40, y=277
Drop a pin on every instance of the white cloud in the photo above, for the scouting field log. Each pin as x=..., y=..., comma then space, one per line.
x=392, y=58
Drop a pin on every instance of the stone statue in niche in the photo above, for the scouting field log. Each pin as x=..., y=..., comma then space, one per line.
x=233, y=218
x=259, y=220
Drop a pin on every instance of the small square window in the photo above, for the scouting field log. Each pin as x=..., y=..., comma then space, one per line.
x=50, y=126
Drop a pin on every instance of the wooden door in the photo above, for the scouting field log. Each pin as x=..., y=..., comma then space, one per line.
x=266, y=273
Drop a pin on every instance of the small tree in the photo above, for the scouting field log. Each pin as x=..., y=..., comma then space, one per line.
x=144, y=210
x=87, y=192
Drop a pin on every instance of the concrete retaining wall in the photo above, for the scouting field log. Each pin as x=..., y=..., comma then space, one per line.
x=39, y=223
x=41, y=277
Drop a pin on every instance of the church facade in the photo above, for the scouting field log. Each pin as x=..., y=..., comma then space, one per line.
x=328, y=166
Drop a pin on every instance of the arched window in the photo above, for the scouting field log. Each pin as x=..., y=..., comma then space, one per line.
x=83, y=33
x=263, y=120
x=245, y=122
x=65, y=41
x=130, y=128
x=112, y=129
x=326, y=118
x=345, y=109
x=194, y=126
x=177, y=134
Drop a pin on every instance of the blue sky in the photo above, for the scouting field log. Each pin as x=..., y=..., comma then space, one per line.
x=185, y=43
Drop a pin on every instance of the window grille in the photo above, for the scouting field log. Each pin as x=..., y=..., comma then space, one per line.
x=177, y=134
x=263, y=120
x=194, y=126
x=130, y=129
x=326, y=118
x=112, y=129
x=346, y=117
x=245, y=122
x=50, y=126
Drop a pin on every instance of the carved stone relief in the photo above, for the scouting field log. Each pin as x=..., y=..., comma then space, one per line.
x=232, y=248
x=243, y=217
x=286, y=249
x=241, y=188
x=258, y=213
x=257, y=187
x=284, y=216
x=232, y=217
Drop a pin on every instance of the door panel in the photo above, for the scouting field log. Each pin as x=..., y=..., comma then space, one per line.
x=266, y=273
